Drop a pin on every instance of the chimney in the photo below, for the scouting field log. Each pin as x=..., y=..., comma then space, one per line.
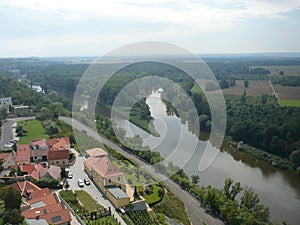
x=37, y=214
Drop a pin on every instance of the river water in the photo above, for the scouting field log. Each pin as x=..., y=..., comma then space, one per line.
x=280, y=190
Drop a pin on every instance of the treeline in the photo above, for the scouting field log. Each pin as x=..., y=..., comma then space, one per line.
x=286, y=81
x=261, y=123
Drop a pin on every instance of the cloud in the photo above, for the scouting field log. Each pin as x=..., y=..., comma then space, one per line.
x=74, y=27
x=207, y=16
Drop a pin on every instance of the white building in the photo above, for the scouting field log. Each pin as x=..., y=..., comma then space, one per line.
x=5, y=103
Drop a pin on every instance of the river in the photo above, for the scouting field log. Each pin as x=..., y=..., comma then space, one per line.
x=280, y=190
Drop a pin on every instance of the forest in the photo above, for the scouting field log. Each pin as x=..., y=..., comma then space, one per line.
x=256, y=120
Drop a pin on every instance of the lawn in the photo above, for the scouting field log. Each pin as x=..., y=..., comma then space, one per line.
x=34, y=129
x=155, y=195
x=87, y=201
x=295, y=103
x=173, y=208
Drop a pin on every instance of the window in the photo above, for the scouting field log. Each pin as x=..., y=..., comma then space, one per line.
x=63, y=162
x=109, y=181
x=119, y=178
x=57, y=162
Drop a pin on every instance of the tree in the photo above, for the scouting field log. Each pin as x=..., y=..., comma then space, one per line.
x=281, y=73
x=295, y=157
x=246, y=83
x=135, y=194
x=250, y=201
x=195, y=179
x=230, y=190
x=12, y=216
x=12, y=199
x=63, y=172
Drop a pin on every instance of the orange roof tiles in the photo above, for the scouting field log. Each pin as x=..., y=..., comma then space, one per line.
x=27, y=168
x=23, y=153
x=47, y=200
x=56, y=143
x=103, y=166
x=96, y=152
x=25, y=188
x=40, y=193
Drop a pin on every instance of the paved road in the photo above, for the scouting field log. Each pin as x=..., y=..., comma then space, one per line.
x=195, y=212
x=78, y=173
x=7, y=133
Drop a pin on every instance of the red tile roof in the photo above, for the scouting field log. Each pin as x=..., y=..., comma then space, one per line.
x=53, y=171
x=58, y=155
x=96, y=152
x=103, y=166
x=34, y=170
x=49, y=213
x=26, y=188
x=40, y=193
x=53, y=211
x=23, y=153
x=47, y=200
x=27, y=168
x=56, y=143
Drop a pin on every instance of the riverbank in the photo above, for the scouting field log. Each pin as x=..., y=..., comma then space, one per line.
x=273, y=160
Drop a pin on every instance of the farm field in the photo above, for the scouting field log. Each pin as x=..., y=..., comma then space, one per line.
x=274, y=70
x=255, y=88
x=287, y=93
x=295, y=103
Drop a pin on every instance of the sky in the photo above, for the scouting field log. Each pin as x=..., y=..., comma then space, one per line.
x=95, y=27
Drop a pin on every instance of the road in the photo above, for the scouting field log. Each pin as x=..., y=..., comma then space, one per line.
x=192, y=205
x=7, y=132
x=78, y=173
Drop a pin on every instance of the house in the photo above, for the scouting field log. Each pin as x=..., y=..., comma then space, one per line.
x=41, y=206
x=23, y=154
x=40, y=144
x=52, y=171
x=21, y=109
x=59, y=152
x=26, y=188
x=109, y=179
x=37, y=171
x=96, y=152
x=8, y=160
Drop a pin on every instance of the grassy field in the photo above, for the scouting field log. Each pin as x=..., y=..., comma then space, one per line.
x=87, y=201
x=34, y=129
x=295, y=103
x=275, y=70
x=287, y=93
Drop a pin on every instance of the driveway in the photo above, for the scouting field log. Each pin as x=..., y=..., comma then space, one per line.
x=78, y=173
x=7, y=131
x=192, y=205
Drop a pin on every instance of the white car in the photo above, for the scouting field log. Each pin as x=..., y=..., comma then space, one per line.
x=80, y=183
x=70, y=175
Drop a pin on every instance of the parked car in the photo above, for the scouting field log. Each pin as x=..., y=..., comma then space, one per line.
x=80, y=183
x=86, y=181
x=70, y=175
x=8, y=145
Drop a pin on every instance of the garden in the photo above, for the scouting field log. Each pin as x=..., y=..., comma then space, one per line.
x=87, y=208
